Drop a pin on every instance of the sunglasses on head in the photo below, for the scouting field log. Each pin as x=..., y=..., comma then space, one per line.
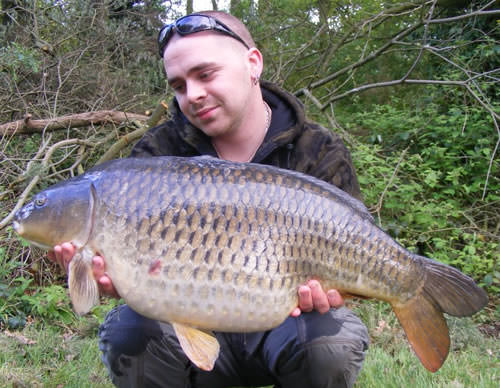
x=189, y=25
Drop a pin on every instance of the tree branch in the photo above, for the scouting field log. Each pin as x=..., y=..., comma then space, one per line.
x=36, y=172
x=27, y=125
x=363, y=61
x=465, y=16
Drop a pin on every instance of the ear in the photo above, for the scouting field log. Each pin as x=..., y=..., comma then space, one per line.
x=255, y=61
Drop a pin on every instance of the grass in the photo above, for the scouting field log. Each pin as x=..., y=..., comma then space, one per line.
x=44, y=355
x=476, y=365
x=50, y=356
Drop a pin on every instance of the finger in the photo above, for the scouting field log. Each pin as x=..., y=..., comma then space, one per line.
x=335, y=299
x=66, y=254
x=305, y=299
x=56, y=256
x=319, y=298
x=295, y=312
x=106, y=287
x=103, y=280
x=68, y=251
x=98, y=266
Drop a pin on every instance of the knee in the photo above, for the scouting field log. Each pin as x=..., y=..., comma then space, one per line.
x=140, y=352
x=324, y=351
x=126, y=332
x=123, y=339
x=331, y=363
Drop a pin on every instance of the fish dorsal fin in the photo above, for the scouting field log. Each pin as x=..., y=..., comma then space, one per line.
x=201, y=348
x=83, y=288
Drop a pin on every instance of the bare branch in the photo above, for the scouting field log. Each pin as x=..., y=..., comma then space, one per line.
x=38, y=169
x=27, y=125
x=465, y=16
x=416, y=82
x=8, y=219
x=333, y=123
x=369, y=58
x=493, y=154
x=380, y=202
x=424, y=39
x=124, y=141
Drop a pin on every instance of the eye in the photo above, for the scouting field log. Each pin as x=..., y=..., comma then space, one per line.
x=40, y=200
x=206, y=74
x=178, y=89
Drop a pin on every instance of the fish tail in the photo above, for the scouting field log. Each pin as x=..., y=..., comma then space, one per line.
x=83, y=289
x=445, y=290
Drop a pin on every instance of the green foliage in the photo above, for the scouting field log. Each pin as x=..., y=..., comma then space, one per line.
x=21, y=299
x=12, y=309
x=90, y=55
x=50, y=303
x=433, y=168
x=17, y=60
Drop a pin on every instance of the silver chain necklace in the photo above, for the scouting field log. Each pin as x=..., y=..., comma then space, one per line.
x=269, y=114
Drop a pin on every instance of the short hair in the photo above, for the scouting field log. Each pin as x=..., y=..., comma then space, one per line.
x=235, y=24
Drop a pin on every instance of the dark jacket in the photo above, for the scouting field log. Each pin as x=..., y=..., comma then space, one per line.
x=291, y=142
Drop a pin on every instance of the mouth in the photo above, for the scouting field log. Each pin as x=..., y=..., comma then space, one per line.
x=205, y=113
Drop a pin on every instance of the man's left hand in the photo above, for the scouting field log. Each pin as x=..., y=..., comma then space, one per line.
x=313, y=297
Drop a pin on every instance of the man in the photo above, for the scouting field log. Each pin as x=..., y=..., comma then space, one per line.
x=221, y=108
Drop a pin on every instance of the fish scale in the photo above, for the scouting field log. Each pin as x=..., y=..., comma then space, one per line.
x=216, y=245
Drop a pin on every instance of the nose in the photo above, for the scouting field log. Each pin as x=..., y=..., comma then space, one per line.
x=195, y=92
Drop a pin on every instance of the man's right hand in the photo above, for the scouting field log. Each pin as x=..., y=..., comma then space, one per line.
x=63, y=254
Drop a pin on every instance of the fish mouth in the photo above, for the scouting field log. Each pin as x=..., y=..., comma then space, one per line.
x=18, y=227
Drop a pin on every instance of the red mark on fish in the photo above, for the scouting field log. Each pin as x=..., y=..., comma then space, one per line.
x=155, y=267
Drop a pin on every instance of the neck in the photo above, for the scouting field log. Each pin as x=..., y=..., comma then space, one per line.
x=242, y=144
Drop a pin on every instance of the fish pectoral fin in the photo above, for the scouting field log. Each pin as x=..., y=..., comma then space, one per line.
x=83, y=289
x=201, y=348
x=426, y=330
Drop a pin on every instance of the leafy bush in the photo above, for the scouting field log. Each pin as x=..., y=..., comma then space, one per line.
x=50, y=303
x=440, y=194
x=16, y=60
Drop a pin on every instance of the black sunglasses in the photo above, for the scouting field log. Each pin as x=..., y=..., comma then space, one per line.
x=189, y=25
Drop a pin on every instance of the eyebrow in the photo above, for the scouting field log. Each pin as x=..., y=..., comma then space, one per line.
x=194, y=69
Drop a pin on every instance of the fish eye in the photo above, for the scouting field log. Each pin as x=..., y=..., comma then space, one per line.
x=40, y=200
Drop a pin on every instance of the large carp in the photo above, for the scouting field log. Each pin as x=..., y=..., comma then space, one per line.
x=208, y=244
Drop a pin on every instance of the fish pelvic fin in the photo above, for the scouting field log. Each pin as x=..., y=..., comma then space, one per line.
x=445, y=290
x=83, y=289
x=200, y=347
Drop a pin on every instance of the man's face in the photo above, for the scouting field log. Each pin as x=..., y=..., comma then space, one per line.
x=211, y=77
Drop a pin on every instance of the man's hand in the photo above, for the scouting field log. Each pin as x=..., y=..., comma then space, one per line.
x=63, y=254
x=103, y=280
x=312, y=297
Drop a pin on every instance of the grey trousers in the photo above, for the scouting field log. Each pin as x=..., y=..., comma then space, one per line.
x=313, y=350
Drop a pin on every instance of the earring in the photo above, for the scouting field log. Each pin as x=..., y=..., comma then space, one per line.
x=255, y=80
